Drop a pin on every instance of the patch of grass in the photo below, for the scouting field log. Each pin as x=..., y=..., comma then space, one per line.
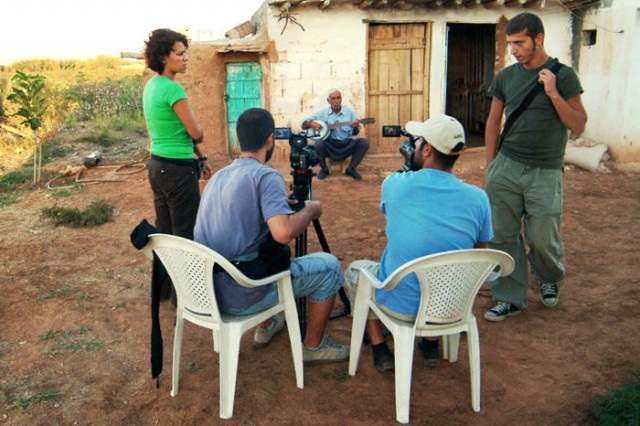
x=194, y=366
x=52, y=149
x=29, y=398
x=16, y=178
x=98, y=213
x=52, y=334
x=70, y=341
x=52, y=294
x=339, y=374
x=67, y=192
x=105, y=138
x=8, y=199
x=620, y=407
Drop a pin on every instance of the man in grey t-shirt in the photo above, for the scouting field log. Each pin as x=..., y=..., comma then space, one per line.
x=240, y=206
x=524, y=174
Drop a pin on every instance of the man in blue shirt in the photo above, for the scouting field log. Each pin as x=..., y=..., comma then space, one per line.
x=427, y=211
x=340, y=144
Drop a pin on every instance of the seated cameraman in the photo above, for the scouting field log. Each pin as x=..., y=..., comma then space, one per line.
x=340, y=144
x=243, y=205
x=428, y=210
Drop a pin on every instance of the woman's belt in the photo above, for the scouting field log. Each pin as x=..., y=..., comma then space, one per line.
x=177, y=161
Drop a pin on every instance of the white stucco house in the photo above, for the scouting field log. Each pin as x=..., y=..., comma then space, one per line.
x=400, y=60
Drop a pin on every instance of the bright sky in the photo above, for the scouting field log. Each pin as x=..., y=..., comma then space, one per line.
x=64, y=29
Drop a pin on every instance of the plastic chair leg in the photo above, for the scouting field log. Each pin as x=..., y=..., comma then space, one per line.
x=291, y=316
x=216, y=341
x=358, y=326
x=229, y=352
x=451, y=346
x=177, y=351
x=473, y=341
x=404, y=341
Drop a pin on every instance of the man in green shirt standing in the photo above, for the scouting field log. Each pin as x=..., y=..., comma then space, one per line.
x=524, y=173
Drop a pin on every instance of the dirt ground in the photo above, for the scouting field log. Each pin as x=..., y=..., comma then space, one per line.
x=75, y=321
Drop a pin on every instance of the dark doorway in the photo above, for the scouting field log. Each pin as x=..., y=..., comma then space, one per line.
x=470, y=65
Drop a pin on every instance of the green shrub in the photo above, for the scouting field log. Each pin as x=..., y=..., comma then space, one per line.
x=96, y=214
x=15, y=178
x=108, y=99
x=105, y=138
x=620, y=406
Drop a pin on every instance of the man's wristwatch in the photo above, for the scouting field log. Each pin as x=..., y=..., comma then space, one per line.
x=203, y=158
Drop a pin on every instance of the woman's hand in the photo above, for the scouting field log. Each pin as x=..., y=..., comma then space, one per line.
x=207, y=171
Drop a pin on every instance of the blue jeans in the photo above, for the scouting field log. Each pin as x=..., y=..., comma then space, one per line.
x=317, y=276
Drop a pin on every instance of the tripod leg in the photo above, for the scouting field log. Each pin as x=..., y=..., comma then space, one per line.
x=342, y=293
x=301, y=250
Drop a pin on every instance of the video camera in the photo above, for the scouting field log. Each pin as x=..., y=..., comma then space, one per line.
x=407, y=147
x=302, y=157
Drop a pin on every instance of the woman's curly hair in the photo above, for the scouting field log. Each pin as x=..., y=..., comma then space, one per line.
x=159, y=45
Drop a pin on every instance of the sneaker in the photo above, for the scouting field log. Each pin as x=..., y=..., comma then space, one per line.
x=327, y=351
x=264, y=335
x=352, y=172
x=430, y=352
x=324, y=172
x=500, y=311
x=383, y=359
x=549, y=294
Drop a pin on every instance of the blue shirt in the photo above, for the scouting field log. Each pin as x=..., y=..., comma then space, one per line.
x=428, y=211
x=346, y=115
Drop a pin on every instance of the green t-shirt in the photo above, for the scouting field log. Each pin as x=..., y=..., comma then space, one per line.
x=537, y=138
x=169, y=137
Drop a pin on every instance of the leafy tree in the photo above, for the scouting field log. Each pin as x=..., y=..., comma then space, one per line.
x=27, y=93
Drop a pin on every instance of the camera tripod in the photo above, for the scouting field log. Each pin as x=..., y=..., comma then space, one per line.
x=302, y=192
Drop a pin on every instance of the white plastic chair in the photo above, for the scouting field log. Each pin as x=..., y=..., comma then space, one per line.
x=190, y=266
x=449, y=283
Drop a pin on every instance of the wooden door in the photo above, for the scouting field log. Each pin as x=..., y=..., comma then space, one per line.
x=398, y=79
x=244, y=80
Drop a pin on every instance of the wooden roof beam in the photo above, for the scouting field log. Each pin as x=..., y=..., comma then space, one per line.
x=535, y=4
x=492, y=3
x=515, y=3
x=471, y=3
x=403, y=5
x=365, y=4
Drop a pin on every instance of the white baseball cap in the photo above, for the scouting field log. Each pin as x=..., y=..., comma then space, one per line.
x=444, y=133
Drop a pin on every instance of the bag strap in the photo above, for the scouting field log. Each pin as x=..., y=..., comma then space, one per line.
x=537, y=88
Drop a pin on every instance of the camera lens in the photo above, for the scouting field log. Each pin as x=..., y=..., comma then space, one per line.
x=297, y=141
x=408, y=149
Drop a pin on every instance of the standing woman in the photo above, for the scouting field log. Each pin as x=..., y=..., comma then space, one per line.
x=175, y=135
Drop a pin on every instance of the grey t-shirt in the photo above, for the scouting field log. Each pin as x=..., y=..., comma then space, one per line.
x=538, y=138
x=232, y=220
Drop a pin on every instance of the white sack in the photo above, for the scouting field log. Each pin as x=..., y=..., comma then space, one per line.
x=586, y=157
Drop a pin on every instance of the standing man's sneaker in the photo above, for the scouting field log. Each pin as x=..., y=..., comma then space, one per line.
x=430, y=352
x=264, y=335
x=324, y=172
x=327, y=351
x=500, y=311
x=351, y=172
x=549, y=294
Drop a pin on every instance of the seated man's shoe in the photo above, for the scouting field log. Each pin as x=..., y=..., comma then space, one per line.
x=327, y=351
x=263, y=336
x=324, y=172
x=500, y=311
x=549, y=294
x=383, y=359
x=430, y=352
x=353, y=173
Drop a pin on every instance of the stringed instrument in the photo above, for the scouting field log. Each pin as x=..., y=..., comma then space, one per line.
x=324, y=132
